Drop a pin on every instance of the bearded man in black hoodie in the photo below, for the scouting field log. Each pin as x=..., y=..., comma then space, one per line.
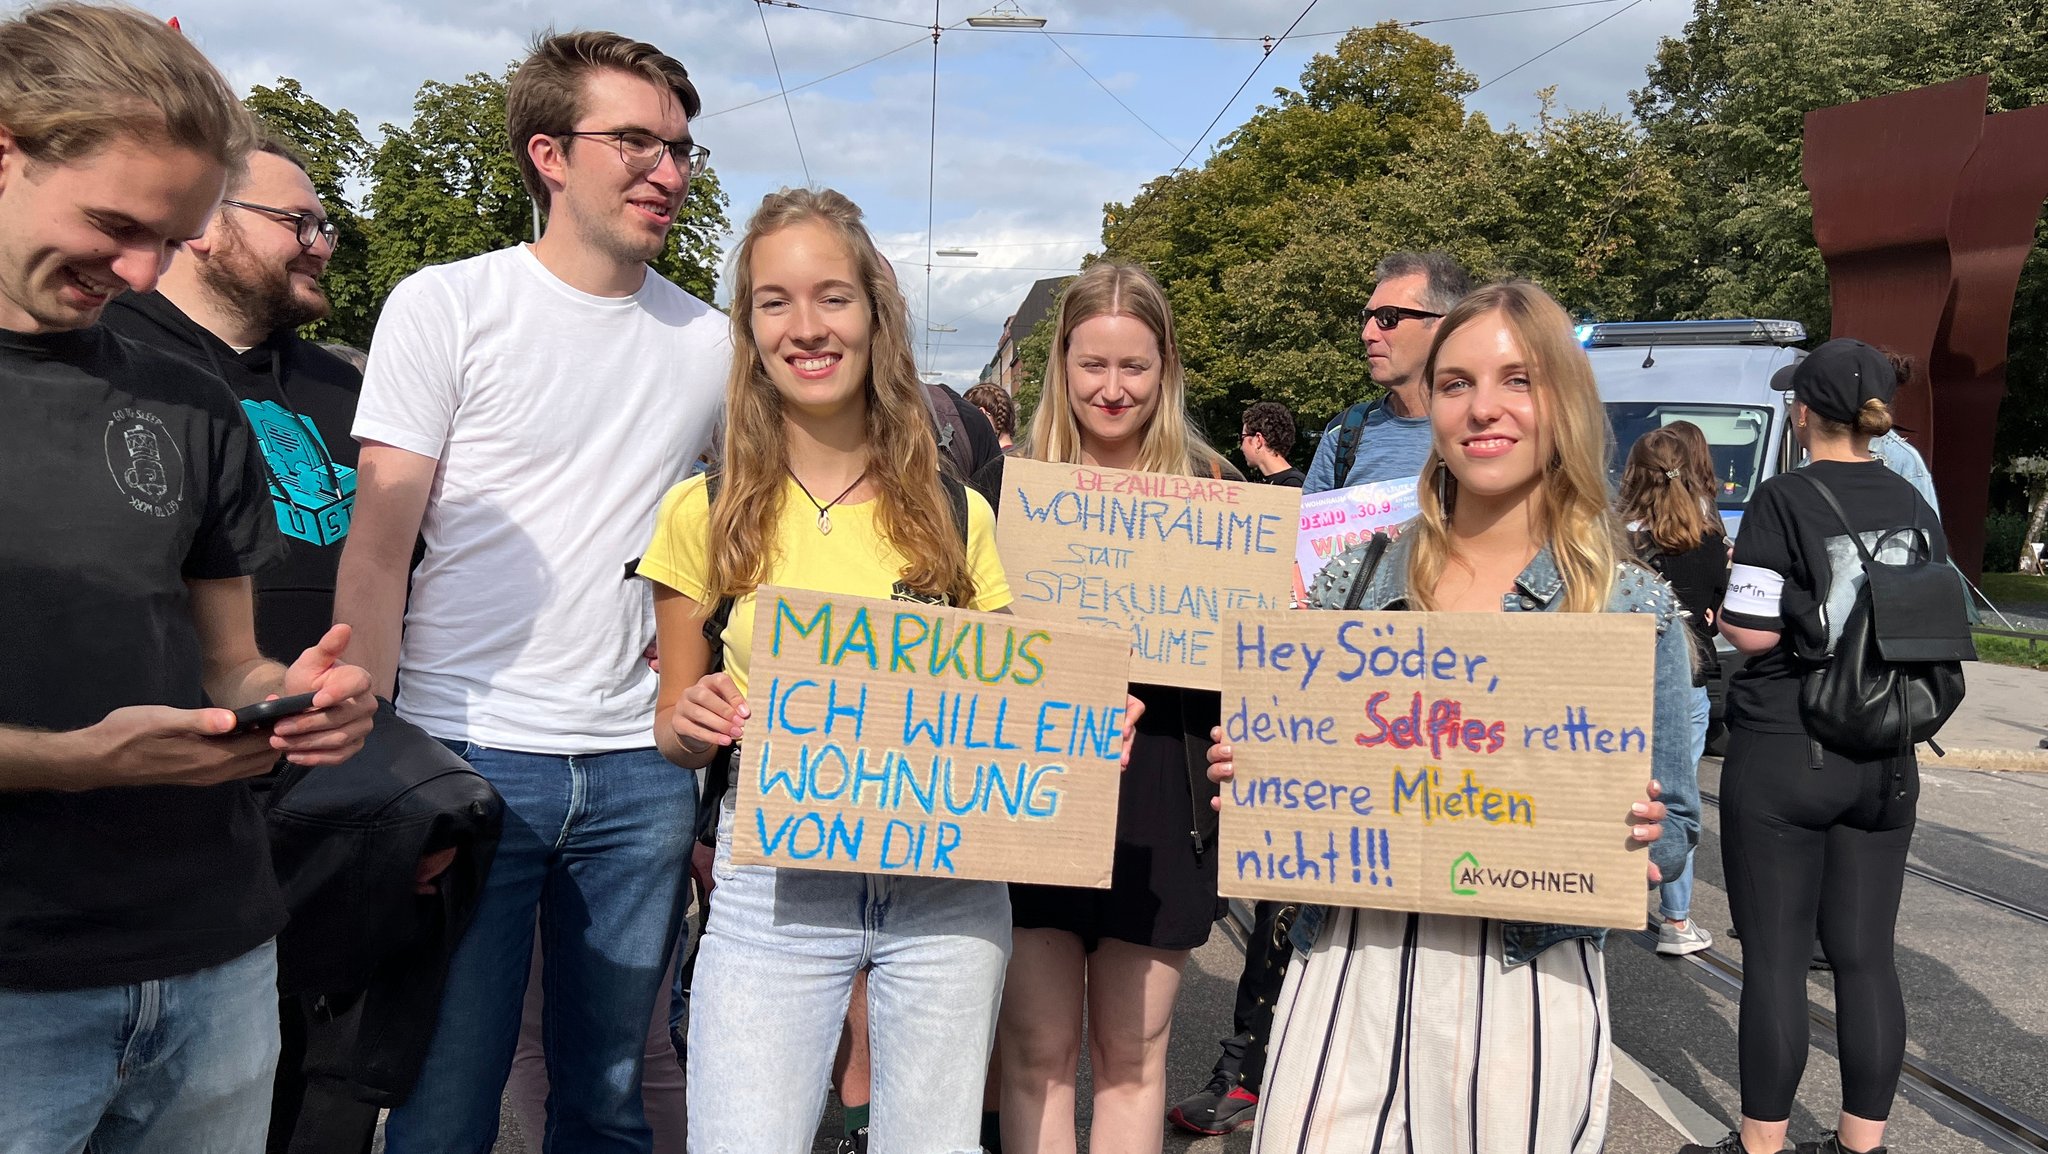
x=233, y=301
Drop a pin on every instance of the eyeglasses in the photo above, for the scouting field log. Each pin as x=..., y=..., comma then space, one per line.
x=1388, y=317
x=641, y=151
x=311, y=227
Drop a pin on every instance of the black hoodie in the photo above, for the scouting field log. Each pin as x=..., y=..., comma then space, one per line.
x=301, y=400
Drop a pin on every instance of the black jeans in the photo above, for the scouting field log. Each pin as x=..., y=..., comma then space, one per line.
x=1804, y=846
x=1266, y=954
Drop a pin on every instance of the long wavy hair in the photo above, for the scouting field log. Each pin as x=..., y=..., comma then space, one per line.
x=1173, y=444
x=1668, y=489
x=911, y=510
x=1573, y=515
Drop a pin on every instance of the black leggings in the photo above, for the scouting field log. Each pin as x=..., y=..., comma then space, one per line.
x=1801, y=845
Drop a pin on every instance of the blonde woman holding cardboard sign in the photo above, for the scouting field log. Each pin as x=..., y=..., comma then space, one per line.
x=829, y=481
x=1114, y=398
x=1438, y=1033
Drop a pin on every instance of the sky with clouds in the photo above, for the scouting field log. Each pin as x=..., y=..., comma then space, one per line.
x=1034, y=132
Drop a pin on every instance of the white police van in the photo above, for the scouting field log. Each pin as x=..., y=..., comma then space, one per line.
x=1716, y=374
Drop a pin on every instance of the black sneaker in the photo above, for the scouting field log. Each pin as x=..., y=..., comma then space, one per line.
x=1732, y=1144
x=854, y=1143
x=1221, y=1107
x=1830, y=1143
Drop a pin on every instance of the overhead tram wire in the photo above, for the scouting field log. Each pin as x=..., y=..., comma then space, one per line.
x=1263, y=57
x=840, y=12
x=761, y=10
x=1106, y=92
x=1556, y=46
x=1504, y=12
x=809, y=83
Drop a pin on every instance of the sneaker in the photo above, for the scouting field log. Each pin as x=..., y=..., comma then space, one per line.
x=1732, y=1144
x=1831, y=1144
x=1221, y=1107
x=854, y=1143
x=1673, y=942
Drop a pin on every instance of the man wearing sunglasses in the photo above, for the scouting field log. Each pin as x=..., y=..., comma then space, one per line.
x=1388, y=437
x=525, y=410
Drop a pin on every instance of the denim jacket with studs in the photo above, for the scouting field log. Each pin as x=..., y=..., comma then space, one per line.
x=1540, y=589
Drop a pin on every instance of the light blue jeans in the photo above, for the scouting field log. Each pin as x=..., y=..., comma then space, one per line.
x=182, y=1065
x=774, y=972
x=598, y=844
x=1675, y=896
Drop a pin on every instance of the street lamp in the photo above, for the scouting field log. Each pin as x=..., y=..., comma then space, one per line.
x=1005, y=15
x=956, y=252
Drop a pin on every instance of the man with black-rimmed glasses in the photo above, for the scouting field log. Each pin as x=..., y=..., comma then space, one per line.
x=525, y=410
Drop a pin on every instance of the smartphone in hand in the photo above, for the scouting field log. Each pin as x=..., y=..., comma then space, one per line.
x=261, y=715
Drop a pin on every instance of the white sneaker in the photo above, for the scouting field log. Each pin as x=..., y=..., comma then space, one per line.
x=1673, y=942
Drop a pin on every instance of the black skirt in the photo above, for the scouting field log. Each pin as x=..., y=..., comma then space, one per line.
x=1162, y=890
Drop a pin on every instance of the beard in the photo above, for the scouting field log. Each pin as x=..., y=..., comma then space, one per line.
x=260, y=293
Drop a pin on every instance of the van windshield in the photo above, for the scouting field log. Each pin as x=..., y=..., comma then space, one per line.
x=1738, y=436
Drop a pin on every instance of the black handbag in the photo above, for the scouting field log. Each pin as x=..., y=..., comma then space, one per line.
x=1895, y=674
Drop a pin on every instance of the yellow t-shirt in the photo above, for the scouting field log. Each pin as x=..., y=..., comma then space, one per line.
x=852, y=559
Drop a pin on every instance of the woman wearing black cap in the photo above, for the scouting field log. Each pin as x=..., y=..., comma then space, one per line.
x=1809, y=835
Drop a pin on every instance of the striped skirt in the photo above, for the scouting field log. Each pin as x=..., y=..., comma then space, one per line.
x=1408, y=1032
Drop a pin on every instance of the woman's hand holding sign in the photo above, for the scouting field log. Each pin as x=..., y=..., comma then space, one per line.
x=709, y=714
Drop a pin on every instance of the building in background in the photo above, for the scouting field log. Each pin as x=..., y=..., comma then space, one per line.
x=1038, y=304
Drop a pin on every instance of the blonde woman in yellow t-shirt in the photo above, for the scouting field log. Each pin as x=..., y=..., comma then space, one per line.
x=830, y=481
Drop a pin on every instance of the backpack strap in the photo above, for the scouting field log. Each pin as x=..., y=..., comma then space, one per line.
x=956, y=496
x=1347, y=441
x=1375, y=551
x=1843, y=517
x=953, y=444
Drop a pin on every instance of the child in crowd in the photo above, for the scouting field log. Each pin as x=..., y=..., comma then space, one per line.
x=1114, y=397
x=1436, y=1033
x=829, y=480
x=1674, y=526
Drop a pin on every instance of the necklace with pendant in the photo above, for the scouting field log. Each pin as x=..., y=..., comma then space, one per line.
x=825, y=510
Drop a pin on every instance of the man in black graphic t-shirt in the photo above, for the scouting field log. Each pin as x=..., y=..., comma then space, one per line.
x=137, y=983
x=232, y=303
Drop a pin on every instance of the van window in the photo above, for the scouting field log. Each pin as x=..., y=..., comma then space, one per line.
x=1737, y=435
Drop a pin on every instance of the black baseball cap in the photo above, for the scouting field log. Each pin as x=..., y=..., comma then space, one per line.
x=1835, y=379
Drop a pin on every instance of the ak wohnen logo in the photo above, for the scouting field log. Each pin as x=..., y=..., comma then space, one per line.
x=145, y=461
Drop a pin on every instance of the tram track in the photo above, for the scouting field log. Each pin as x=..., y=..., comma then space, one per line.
x=1951, y=1101
x=1947, y=882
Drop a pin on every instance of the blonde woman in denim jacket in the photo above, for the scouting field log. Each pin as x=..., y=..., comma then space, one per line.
x=1424, y=1032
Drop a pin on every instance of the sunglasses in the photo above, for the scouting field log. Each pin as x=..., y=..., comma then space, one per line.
x=1388, y=317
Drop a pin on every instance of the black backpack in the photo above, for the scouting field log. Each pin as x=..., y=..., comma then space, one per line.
x=1895, y=674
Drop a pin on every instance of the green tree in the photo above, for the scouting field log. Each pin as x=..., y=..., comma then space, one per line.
x=1727, y=102
x=446, y=187
x=336, y=154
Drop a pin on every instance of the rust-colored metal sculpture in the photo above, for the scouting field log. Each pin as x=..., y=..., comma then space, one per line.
x=1924, y=209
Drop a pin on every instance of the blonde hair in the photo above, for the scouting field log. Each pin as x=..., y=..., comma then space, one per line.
x=1574, y=517
x=1666, y=489
x=76, y=77
x=1873, y=419
x=912, y=509
x=1172, y=443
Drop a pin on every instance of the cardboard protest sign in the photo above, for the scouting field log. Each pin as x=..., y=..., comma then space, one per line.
x=1458, y=763
x=1159, y=558
x=1335, y=521
x=900, y=737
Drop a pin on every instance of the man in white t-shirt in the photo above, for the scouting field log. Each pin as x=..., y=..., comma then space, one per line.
x=525, y=411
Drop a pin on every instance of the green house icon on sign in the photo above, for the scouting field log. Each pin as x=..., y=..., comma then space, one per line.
x=1466, y=862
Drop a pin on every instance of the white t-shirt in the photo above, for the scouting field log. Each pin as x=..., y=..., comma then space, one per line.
x=559, y=419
